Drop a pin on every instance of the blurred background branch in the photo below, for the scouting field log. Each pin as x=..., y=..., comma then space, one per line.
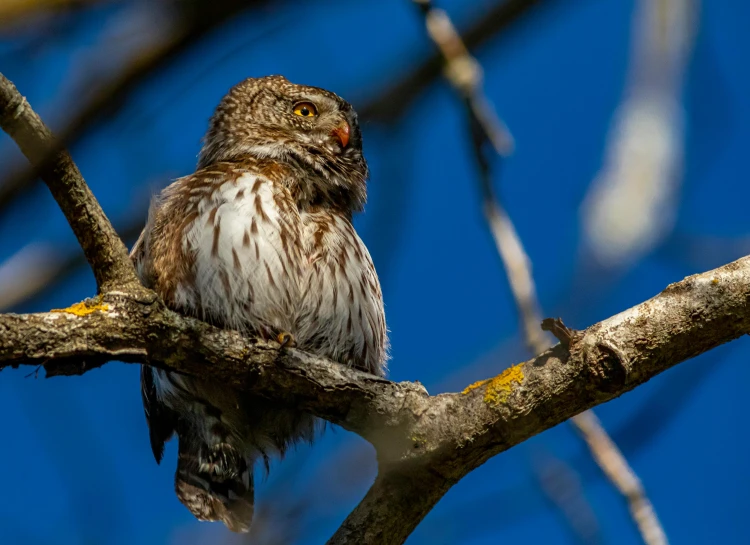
x=488, y=131
x=12, y=11
x=632, y=204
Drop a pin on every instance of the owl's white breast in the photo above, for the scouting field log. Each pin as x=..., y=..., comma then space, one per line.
x=244, y=243
x=259, y=265
x=341, y=311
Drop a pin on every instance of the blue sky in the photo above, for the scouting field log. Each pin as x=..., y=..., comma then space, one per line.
x=78, y=467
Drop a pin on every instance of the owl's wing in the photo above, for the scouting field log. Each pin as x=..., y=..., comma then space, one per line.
x=161, y=420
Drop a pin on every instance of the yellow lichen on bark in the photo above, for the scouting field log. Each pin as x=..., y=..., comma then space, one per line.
x=498, y=388
x=475, y=385
x=82, y=309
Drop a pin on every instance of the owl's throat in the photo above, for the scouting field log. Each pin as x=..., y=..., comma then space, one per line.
x=316, y=177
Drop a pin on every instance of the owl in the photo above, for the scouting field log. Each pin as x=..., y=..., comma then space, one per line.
x=259, y=240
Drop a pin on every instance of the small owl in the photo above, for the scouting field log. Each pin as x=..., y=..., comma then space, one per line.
x=260, y=240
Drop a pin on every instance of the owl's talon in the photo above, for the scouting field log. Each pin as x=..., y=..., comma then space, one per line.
x=286, y=340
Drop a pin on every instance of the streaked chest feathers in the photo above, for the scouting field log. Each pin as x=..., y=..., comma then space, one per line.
x=251, y=260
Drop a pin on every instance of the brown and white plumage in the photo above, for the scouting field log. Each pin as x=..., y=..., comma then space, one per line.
x=259, y=239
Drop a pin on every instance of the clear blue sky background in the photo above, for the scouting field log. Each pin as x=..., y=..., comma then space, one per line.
x=76, y=464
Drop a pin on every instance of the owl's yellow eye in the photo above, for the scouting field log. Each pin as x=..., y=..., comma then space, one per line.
x=305, y=109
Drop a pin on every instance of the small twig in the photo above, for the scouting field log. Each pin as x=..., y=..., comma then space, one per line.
x=35, y=372
x=400, y=94
x=562, y=333
x=465, y=75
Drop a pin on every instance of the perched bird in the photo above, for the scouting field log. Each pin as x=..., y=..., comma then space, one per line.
x=260, y=240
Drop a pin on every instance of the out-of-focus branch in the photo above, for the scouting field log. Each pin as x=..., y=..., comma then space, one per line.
x=392, y=102
x=562, y=485
x=13, y=10
x=464, y=74
x=193, y=20
x=632, y=204
x=38, y=267
x=617, y=470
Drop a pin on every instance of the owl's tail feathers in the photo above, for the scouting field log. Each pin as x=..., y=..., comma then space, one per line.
x=215, y=484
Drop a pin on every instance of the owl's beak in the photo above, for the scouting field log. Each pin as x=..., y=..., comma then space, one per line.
x=341, y=131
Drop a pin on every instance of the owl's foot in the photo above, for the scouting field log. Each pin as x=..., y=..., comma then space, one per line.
x=286, y=340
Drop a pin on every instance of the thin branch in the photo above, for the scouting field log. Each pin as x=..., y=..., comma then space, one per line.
x=104, y=250
x=615, y=467
x=396, y=99
x=488, y=130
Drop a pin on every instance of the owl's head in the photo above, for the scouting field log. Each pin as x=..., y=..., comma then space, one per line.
x=309, y=129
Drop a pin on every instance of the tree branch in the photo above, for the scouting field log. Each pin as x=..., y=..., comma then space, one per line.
x=446, y=435
x=104, y=250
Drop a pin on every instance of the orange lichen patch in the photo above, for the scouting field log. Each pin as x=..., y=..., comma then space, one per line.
x=82, y=309
x=498, y=388
x=714, y=280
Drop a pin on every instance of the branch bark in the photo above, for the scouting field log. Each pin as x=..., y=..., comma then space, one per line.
x=104, y=250
x=436, y=438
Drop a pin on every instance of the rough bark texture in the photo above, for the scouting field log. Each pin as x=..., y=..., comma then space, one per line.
x=104, y=250
x=425, y=443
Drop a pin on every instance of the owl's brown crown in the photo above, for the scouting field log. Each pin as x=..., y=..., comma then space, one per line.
x=310, y=130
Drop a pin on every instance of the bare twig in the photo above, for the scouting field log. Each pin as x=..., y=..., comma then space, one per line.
x=394, y=101
x=464, y=73
x=615, y=467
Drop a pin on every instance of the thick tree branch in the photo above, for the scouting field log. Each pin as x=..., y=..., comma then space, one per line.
x=447, y=435
x=104, y=250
